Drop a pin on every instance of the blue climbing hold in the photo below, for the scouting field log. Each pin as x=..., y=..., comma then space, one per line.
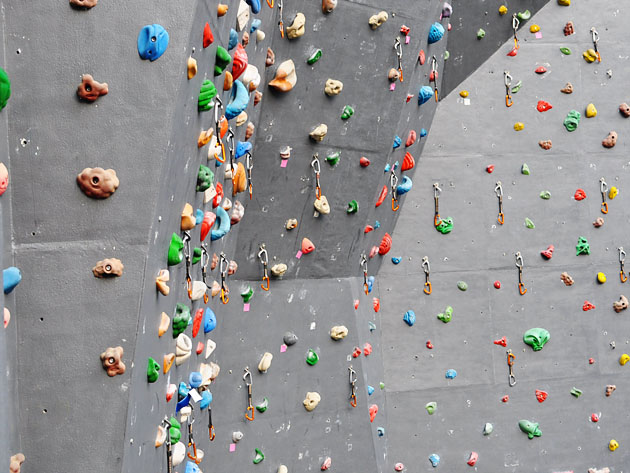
x=387, y=168
x=377, y=224
x=11, y=277
x=221, y=226
x=152, y=42
x=194, y=379
x=410, y=317
x=192, y=467
x=255, y=25
x=424, y=95
x=450, y=374
x=395, y=166
x=436, y=32
x=198, y=216
x=434, y=458
x=242, y=147
x=396, y=259
x=380, y=431
x=183, y=390
x=209, y=320
x=370, y=390
x=233, y=41
x=404, y=186
x=370, y=283
x=254, y=5
x=423, y=133
x=240, y=99
x=206, y=399
x=397, y=141
x=183, y=403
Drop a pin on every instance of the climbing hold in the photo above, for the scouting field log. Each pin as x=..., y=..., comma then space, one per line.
x=530, y=428
x=576, y=392
x=291, y=223
x=396, y=259
x=282, y=469
x=153, y=370
x=183, y=348
x=517, y=87
x=326, y=464
x=548, y=253
x=296, y=28
x=262, y=407
x=411, y=138
x=152, y=42
x=518, y=126
x=624, y=108
x=289, y=339
x=436, y=32
x=188, y=220
x=431, y=407
x=191, y=66
x=594, y=418
x=621, y=304
x=451, y=374
x=164, y=322
x=472, y=459
x=396, y=144
x=208, y=37
x=348, y=111
x=582, y=247
x=502, y=341
x=447, y=315
x=233, y=39
x=410, y=317
x=376, y=304
x=601, y=278
x=487, y=428
x=445, y=225
x=463, y=94
x=587, y=306
x=338, y=332
x=311, y=400
x=207, y=92
x=613, y=444
x=221, y=61
x=481, y=33
x=180, y=319
x=373, y=410
x=408, y=162
x=221, y=9
x=313, y=58
x=378, y=19
x=568, y=89
x=108, y=268
x=206, y=224
x=540, y=70
x=386, y=244
x=247, y=294
x=579, y=195
x=589, y=55
x=429, y=345
x=319, y=132
x=524, y=16
x=221, y=226
x=529, y=224
x=89, y=89
x=241, y=118
x=333, y=87
x=534, y=28
x=112, y=361
x=312, y=357
x=610, y=140
x=536, y=338
x=525, y=169
x=612, y=193
x=11, y=277
x=434, y=458
x=490, y=168
x=622, y=360
x=572, y=120
x=322, y=206
x=393, y=75
x=541, y=395
x=546, y=144
x=204, y=178
x=399, y=467
x=98, y=183
x=307, y=246
x=565, y=51
x=543, y=106
x=239, y=63
x=424, y=94
x=503, y=10
x=610, y=388
x=332, y=158
x=497, y=284
x=328, y=5
x=353, y=207
x=278, y=270
x=258, y=457
x=381, y=197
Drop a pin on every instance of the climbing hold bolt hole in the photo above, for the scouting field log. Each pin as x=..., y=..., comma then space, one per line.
x=45, y=411
x=33, y=233
x=95, y=180
x=18, y=51
x=108, y=268
x=153, y=39
x=88, y=88
x=41, y=319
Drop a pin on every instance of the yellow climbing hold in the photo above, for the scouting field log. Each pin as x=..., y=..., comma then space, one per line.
x=589, y=55
x=564, y=3
x=612, y=193
x=613, y=444
x=463, y=93
x=591, y=111
x=601, y=278
x=534, y=28
x=518, y=126
x=502, y=10
x=625, y=358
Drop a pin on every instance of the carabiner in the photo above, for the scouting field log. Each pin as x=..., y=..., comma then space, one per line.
x=264, y=259
x=433, y=77
x=510, y=362
x=603, y=188
x=622, y=260
x=191, y=440
x=428, y=288
x=223, y=267
x=270, y=3
x=205, y=258
x=393, y=183
x=316, y=169
x=249, y=165
x=210, y=425
x=507, y=80
x=519, y=264
x=398, y=48
x=186, y=241
x=498, y=190
x=169, y=444
x=248, y=383
x=436, y=195
x=218, y=106
x=365, y=273
x=353, y=381
x=595, y=38
x=515, y=25
x=280, y=23
x=231, y=147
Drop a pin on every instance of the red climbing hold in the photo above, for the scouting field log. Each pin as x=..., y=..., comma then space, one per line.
x=543, y=106
x=356, y=304
x=421, y=57
x=411, y=138
x=219, y=197
x=364, y=162
x=540, y=70
x=199, y=349
x=197, y=321
x=356, y=353
x=408, y=162
x=594, y=418
x=368, y=229
x=376, y=303
x=381, y=197
x=386, y=244
x=239, y=63
x=208, y=37
x=502, y=341
x=326, y=464
x=367, y=349
x=587, y=306
x=541, y=395
x=170, y=391
x=490, y=168
x=307, y=246
x=591, y=361
x=474, y=456
x=429, y=345
x=548, y=253
x=579, y=194
x=497, y=284
x=409, y=97
x=505, y=398
x=404, y=30
x=512, y=53
x=206, y=224
x=373, y=411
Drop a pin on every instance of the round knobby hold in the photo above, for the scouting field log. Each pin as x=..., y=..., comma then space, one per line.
x=582, y=247
x=333, y=87
x=364, y=162
x=112, y=361
x=611, y=140
x=282, y=469
x=338, y=332
x=503, y=10
x=447, y=315
x=393, y=75
x=110, y=267
x=399, y=467
x=590, y=55
x=431, y=407
x=572, y=120
x=536, y=338
x=321, y=205
x=534, y=28
x=333, y=157
x=488, y=428
x=434, y=458
x=291, y=224
x=436, y=33
x=265, y=362
x=4, y=178
x=98, y=183
x=445, y=225
x=546, y=195
x=624, y=108
x=289, y=339
x=612, y=193
x=319, y=132
x=221, y=9
x=311, y=400
x=278, y=270
x=378, y=19
x=195, y=379
x=463, y=94
x=462, y=286
x=540, y=70
x=312, y=357
x=564, y=3
x=519, y=126
x=613, y=444
x=591, y=111
x=152, y=42
x=601, y=278
x=481, y=33
x=497, y=284
x=545, y=144
x=543, y=106
x=450, y=374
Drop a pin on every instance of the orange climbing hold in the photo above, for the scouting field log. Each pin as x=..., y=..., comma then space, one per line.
x=386, y=244
x=239, y=180
x=408, y=162
x=208, y=37
x=381, y=197
x=307, y=246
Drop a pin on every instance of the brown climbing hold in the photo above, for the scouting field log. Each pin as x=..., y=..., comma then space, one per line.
x=285, y=78
x=609, y=389
x=624, y=109
x=319, y=132
x=291, y=224
x=393, y=75
x=621, y=304
x=221, y=9
x=307, y=246
x=599, y=221
x=108, y=267
x=271, y=58
x=568, y=28
x=296, y=28
x=192, y=67
x=328, y=5
x=239, y=180
x=188, y=218
x=610, y=140
x=568, y=89
x=98, y=183
x=161, y=280
x=90, y=90
x=546, y=144
x=228, y=81
x=84, y=3
x=15, y=462
x=245, y=39
x=566, y=279
x=112, y=361
x=258, y=97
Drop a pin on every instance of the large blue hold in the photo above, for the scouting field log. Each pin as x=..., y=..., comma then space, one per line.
x=254, y=5
x=404, y=186
x=183, y=403
x=11, y=277
x=255, y=25
x=425, y=94
x=194, y=379
x=221, y=226
x=152, y=42
x=410, y=317
x=242, y=147
x=436, y=32
x=423, y=133
x=206, y=399
x=192, y=467
x=209, y=320
x=233, y=41
x=240, y=99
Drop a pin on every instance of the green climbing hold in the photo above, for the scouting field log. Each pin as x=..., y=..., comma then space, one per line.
x=545, y=195
x=312, y=357
x=196, y=257
x=517, y=87
x=222, y=60
x=313, y=58
x=175, y=431
x=565, y=51
x=260, y=456
x=530, y=428
x=382, y=385
x=572, y=120
x=445, y=225
x=348, y=111
x=447, y=315
x=525, y=169
x=205, y=177
x=576, y=392
x=524, y=15
x=582, y=247
x=247, y=294
x=529, y=223
x=462, y=286
x=181, y=319
x=431, y=407
x=536, y=338
x=262, y=407
x=353, y=206
x=333, y=158
x=481, y=33
x=153, y=370
x=446, y=55
x=175, y=250
x=5, y=88
x=206, y=94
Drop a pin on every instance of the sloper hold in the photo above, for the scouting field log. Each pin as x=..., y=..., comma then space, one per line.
x=285, y=78
x=386, y=244
x=233, y=39
x=152, y=42
x=240, y=99
x=408, y=162
x=424, y=94
x=436, y=32
x=239, y=63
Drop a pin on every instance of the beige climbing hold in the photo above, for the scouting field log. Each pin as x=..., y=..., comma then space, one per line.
x=285, y=78
x=214, y=149
x=279, y=269
x=270, y=60
x=291, y=224
x=260, y=35
x=377, y=20
x=15, y=462
x=296, y=28
x=328, y=5
x=221, y=9
x=183, y=348
x=107, y=268
x=238, y=210
x=621, y=304
x=265, y=362
x=188, y=218
x=232, y=266
x=209, y=194
x=339, y=332
x=333, y=87
x=242, y=16
x=198, y=290
x=160, y=437
x=311, y=401
x=393, y=75
x=211, y=345
x=251, y=78
x=215, y=289
x=282, y=468
x=192, y=67
x=179, y=450
x=568, y=89
x=165, y=320
x=241, y=118
x=161, y=280
x=319, y=132
x=321, y=205
x=209, y=372
x=204, y=137
x=249, y=131
x=591, y=111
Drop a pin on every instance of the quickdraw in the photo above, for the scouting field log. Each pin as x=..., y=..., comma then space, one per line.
x=280, y=23
x=316, y=169
x=191, y=440
x=519, y=264
x=433, y=76
x=353, y=387
x=507, y=80
x=622, y=260
x=436, y=196
x=211, y=434
x=231, y=147
x=515, y=25
x=205, y=258
x=399, y=53
x=247, y=377
x=393, y=183
x=218, y=106
x=249, y=165
x=169, y=446
x=264, y=259
x=510, y=362
x=223, y=267
x=365, y=273
x=595, y=38
x=186, y=241
x=498, y=190
x=603, y=188
x=428, y=288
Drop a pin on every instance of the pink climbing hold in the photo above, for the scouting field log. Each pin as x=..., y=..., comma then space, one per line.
x=239, y=63
x=200, y=347
x=472, y=459
x=356, y=304
x=399, y=467
x=326, y=464
x=594, y=418
x=386, y=244
x=373, y=252
x=170, y=391
x=421, y=57
x=367, y=349
x=411, y=138
x=548, y=253
x=373, y=411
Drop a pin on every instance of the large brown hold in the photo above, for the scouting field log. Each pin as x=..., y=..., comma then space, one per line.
x=110, y=267
x=98, y=183
x=285, y=78
x=112, y=361
x=90, y=90
x=83, y=3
